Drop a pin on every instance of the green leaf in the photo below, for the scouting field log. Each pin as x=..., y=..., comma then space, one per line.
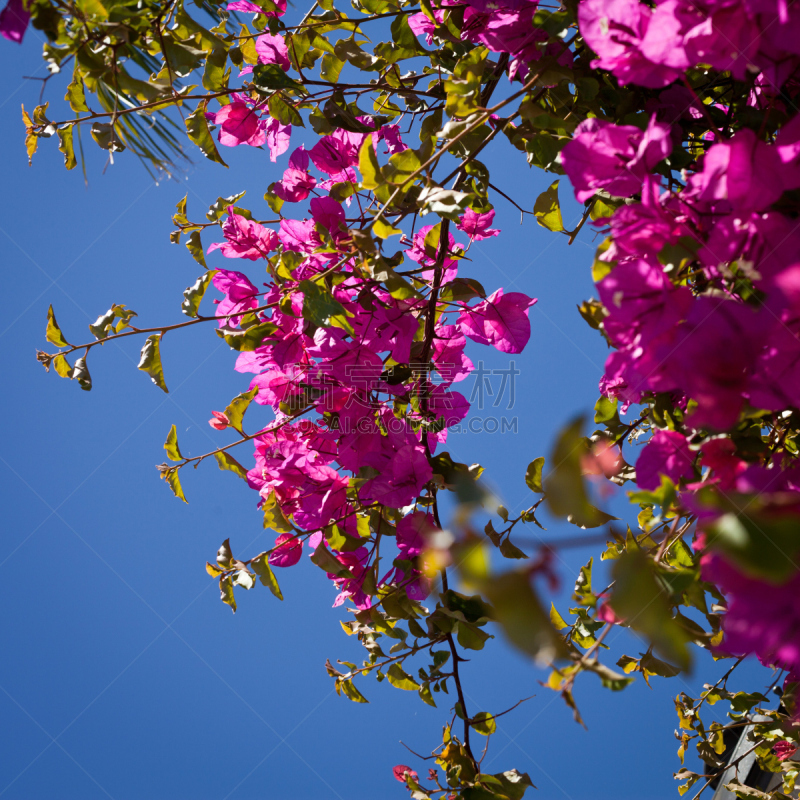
x=227, y=462
x=75, y=95
x=80, y=373
x=53, y=332
x=267, y=77
x=425, y=694
x=605, y=409
x=643, y=604
x=195, y=246
x=400, y=679
x=350, y=691
x=65, y=146
x=171, y=477
x=171, y=445
x=215, y=76
x=321, y=308
x=92, y=8
x=446, y=203
x=368, y=165
x=107, y=137
x=220, y=206
x=533, y=475
x=199, y=134
x=283, y=110
x=484, y=724
x=249, y=338
x=556, y=619
x=401, y=167
x=325, y=560
x=150, y=361
x=608, y=677
x=236, y=409
x=61, y=366
x=521, y=616
x=274, y=518
x=226, y=592
x=330, y=68
x=564, y=487
x=548, y=210
x=193, y=295
x=510, y=550
x=261, y=567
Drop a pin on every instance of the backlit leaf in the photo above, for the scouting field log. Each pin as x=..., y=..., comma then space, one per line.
x=227, y=462
x=171, y=445
x=150, y=361
x=548, y=210
x=53, y=332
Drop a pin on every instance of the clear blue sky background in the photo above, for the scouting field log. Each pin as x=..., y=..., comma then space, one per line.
x=123, y=675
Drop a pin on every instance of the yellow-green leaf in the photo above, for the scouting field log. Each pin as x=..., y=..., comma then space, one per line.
x=212, y=570
x=484, y=724
x=557, y=619
x=368, y=165
x=274, y=518
x=533, y=475
x=261, y=567
x=564, y=486
x=548, y=210
x=171, y=476
x=350, y=691
x=61, y=366
x=53, y=333
x=150, y=361
x=235, y=410
x=226, y=592
x=325, y=560
x=193, y=295
x=75, y=94
x=400, y=679
x=171, y=445
x=228, y=462
x=199, y=134
x=65, y=146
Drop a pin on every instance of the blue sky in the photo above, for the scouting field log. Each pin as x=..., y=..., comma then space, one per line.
x=124, y=676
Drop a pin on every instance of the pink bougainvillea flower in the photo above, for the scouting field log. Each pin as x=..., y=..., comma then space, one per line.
x=500, y=320
x=784, y=750
x=245, y=238
x=218, y=421
x=239, y=124
x=400, y=772
x=14, y=21
x=667, y=453
x=272, y=49
x=743, y=171
x=476, y=226
x=287, y=552
x=615, y=30
x=402, y=479
x=330, y=155
x=240, y=296
x=277, y=136
x=296, y=183
x=248, y=7
x=602, y=155
x=394, y=142
x=762, y=618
